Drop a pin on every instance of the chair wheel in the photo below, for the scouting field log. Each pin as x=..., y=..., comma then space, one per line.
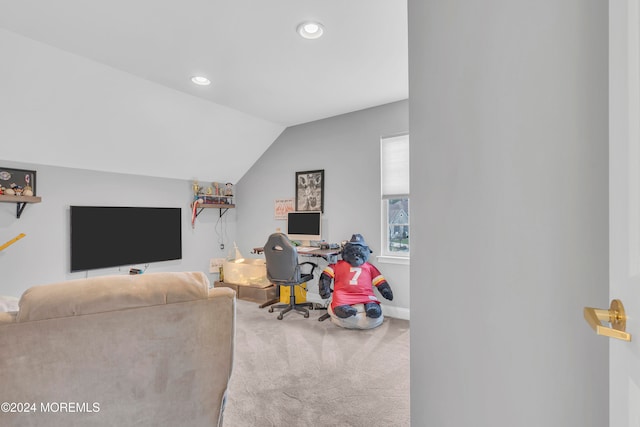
x=280, y=317
x=270, y=309
x=306, y=315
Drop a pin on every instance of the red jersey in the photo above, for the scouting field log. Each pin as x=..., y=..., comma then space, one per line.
x=353, y=285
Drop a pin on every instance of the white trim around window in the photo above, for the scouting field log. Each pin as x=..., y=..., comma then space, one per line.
x=394, y=191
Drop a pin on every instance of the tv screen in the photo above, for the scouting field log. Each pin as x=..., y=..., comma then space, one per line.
x=105, y=236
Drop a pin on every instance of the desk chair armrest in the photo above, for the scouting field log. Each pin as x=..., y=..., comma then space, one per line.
x=314, y=266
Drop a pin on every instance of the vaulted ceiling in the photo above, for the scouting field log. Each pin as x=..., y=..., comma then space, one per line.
x=126, y=65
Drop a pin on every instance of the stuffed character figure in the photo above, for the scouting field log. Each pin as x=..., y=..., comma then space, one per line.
x=354, y=279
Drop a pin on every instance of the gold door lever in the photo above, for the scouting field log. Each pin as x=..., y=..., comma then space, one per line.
x=615, y=315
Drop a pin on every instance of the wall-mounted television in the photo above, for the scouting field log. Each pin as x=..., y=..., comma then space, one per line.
x=113, y=236
x=304, y=225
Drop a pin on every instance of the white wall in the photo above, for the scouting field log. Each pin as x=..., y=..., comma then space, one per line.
x=68, y=112
x=508, y=113
x=347, y=147
x=61, y=109
x=43, y=255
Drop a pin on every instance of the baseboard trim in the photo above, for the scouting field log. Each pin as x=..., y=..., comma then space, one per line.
x=388, y=310
x=396, y=312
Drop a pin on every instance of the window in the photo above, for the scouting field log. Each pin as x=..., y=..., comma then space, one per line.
x=394, y=173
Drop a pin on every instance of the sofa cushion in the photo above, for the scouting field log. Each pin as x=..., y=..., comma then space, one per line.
x=109, y=293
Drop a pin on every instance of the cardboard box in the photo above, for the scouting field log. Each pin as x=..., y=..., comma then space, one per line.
x=251, y=293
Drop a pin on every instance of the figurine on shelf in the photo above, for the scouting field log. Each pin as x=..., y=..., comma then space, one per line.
x=216, y=185
x=27, y=190
x=196, y=189
x=17, y=189
x=228, y=189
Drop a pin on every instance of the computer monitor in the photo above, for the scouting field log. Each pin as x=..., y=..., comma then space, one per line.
x=304, y=226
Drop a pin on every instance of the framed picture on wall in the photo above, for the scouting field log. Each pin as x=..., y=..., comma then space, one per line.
x=310, y=191
x=19, y=182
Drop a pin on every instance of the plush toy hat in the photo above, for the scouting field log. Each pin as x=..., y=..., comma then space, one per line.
x=357, y=239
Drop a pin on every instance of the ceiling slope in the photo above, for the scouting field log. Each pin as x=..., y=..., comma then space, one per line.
x=105, y=85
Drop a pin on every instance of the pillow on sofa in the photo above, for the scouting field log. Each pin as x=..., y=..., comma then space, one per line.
x=109, y=293
x=8, y=304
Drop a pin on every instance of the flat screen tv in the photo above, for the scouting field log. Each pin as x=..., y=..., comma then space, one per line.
x=304, y=225
x=109, y=236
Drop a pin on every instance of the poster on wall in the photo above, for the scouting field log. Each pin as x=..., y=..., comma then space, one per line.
x=310, y=191
x=282, y=207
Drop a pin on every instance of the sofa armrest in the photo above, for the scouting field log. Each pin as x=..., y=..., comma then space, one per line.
x=221, y=291
x=8, y=317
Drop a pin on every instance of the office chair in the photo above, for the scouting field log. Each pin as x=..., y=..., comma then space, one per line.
x=325, y=307
x=324, y=316
x=283, y=269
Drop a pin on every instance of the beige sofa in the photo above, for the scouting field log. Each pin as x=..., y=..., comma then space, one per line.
x=145, y=350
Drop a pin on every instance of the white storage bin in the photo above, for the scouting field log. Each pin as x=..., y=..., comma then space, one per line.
x=251, y=272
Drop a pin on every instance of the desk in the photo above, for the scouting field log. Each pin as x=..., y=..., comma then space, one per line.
x=331, y=255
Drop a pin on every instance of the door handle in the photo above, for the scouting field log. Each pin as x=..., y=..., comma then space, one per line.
x=615, y=315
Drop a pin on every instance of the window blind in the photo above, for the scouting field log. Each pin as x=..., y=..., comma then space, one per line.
x=395, y=166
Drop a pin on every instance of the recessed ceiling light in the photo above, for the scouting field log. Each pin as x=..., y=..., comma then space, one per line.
x=199, y=80
x=310, y=29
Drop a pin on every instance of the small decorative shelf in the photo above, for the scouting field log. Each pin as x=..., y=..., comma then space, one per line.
x=202, y=206
x=20, y=201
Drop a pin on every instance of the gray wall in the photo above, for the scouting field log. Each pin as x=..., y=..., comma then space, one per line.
x=508, y=113
x=43, y=255
x=352, y=203
x=347, y=147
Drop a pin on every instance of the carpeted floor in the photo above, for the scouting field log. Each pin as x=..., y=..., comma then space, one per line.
x=300, y=372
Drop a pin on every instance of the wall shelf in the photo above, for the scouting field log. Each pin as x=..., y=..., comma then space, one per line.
x=20, y=201
x=202, y=206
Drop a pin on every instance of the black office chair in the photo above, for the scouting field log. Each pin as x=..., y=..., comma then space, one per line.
x=326, y=315
x=283, y=269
